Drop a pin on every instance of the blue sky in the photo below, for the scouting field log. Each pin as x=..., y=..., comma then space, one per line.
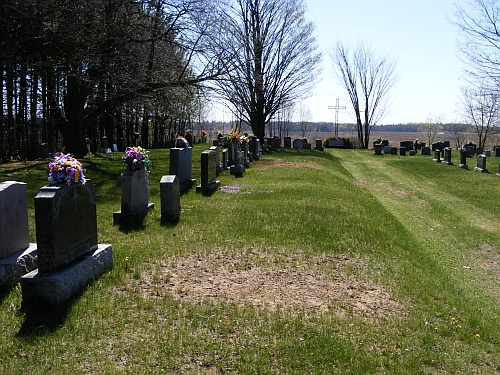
x=418, y=34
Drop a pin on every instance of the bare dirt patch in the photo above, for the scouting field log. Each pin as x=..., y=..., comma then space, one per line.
x=268, y=164
x=320, y=283
x=393, y=191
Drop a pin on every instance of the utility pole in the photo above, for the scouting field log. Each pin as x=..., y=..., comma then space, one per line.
x=336, y=108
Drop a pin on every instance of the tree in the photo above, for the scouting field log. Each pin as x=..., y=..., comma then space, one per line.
x=430, y=128
x=368, y=80
x=480, y=46
x=305, y=117
x=481, y=110
x=458, y=133
x=273, y=58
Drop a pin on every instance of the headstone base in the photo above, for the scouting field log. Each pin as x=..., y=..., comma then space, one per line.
x=61, y=287
x=208, y=189
x=321, y=148
x=463, y=166
x=482, y=170
x=17, y=265
x=120, y=217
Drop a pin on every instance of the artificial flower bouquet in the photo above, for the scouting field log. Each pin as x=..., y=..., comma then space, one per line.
x=137, y=158
x=65, y=169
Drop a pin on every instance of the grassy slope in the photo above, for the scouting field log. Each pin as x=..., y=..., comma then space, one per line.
x=413, y=224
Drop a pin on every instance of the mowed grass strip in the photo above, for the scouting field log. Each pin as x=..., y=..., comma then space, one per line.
x=415, y=244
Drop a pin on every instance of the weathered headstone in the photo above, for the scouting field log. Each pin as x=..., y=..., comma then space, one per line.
x=225, y=162
x=170, y=196
x=447, y=156
x=463, y=158
x=17, y=255
x=298, y=143
x=287, y=142
x=134, y=200
x=181, y=165
x=425, y=151
x=319, y=145
x=437, y=155
x=255, y=148
x=244, y=149
x=387, y=149
x=216, y=151
x=69, y=257
x=238, y=168
x=209, y=184
x=481, y=164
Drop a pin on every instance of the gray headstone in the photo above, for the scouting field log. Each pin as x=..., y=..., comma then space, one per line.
x=181, y=160
x=170, y=199
x=298, y=143
x=447, y=156
x=134, y=190
x=378, y=149
x=288, y=142
x=387, y=149
x=66, y=224
x=208, y=168
x=481, y=164
x=425, y=151
x=463, y=158
x=14, y=234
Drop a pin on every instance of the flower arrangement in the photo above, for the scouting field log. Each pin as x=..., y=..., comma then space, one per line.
x=65, y=169
x=246, y=137
x=181, y=142
x=234, y=136
x=137, y=158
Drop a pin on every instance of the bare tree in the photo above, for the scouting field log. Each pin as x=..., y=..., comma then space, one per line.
x=368, y=80
x=431, y=127
x=458, y=133
x=479, y=26
x=304, y=117
x=481, y=110
x=274, y=58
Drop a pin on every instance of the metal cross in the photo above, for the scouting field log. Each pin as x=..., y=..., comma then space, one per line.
x=336, y=108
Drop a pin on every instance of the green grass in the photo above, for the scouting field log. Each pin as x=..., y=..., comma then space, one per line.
x=427, y=234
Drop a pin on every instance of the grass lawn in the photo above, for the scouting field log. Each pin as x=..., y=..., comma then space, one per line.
x=334, y=262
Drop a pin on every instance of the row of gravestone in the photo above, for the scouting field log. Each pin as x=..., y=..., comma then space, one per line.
x=66, y=256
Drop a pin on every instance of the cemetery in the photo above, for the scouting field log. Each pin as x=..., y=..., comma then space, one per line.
x=260, y=246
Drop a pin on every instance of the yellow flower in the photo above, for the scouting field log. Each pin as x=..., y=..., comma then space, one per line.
x=139, y=148
x=478, y=335
x=127, y=259
x=67, y=164
x=459, y=326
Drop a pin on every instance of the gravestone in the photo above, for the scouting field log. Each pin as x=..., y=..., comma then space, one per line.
x=298, y=143
x=255, y=148
x=134, y=200
x=437, y=156
x=44, y=150
x=497, y=151
x=378, y=149
x=215, y=142
x=265, y=144
x=238, y=168
x=244, y=149
x=287, y=142
x=487, y=153
x=181, y=160
x=425, y=151
x=402, y=151
x=104, y=144
x=471, y=149
x=446, y=144
x=17, y=255
x=413, y=152
x=234, y=148
x=225, y=163
x=387, y=149
x=276, y=142
x=394, y=150
x=463, y=158
x=319, y=145
x=306, y=146
x=170, y=196
x=216, y=150
x=447, y=156
x=69, y=257
x=209, y=184
x=498, y=174
x=481, y=164
x=479, y=151
x=406, y=144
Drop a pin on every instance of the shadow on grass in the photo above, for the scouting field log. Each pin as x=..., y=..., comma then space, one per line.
x=42, y=317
